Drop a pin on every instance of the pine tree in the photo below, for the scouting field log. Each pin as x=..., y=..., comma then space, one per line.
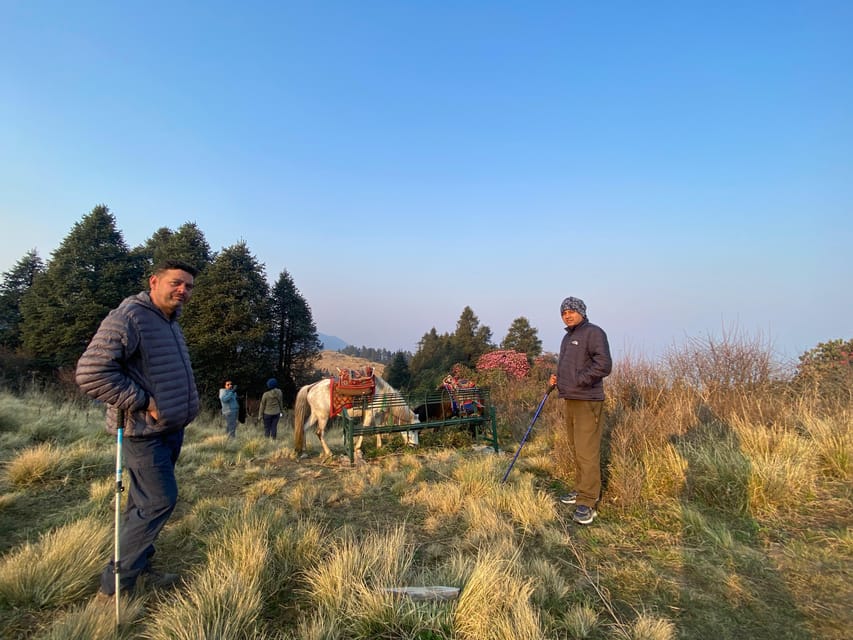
x=227, y=324
x=523, y=338
x=15, y=283
x=87, y=276
x=397, y=373
x=471, y=340
x=297, y=344
x=432, y=361
x=187, y=244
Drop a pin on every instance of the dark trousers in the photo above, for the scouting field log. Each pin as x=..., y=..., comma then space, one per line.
x=151, y=494
x=583, y=431
x=271, y=425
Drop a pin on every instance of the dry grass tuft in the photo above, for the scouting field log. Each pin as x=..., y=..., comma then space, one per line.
x=495, y=603
x=35, y=465
x=227, y=595
x=57, y=570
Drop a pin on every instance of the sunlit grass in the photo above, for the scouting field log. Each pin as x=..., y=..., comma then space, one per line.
x=38, y=464
x=59, y=569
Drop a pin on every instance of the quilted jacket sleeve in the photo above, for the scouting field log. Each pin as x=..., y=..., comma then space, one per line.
x=102, y=371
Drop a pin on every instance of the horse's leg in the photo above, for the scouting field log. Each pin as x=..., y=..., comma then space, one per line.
x=321, y=428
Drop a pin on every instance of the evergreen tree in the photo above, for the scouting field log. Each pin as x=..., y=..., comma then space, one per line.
x=471, y=340
x=228, y=327
x=187, y=244
x=297, y=344
x=15, y=283
x=397, y=372
x=523, y=338
x=87, y=276
x=432, y=361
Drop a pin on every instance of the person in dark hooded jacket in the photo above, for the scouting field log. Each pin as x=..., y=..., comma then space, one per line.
x=137, y=363
x=583, y=364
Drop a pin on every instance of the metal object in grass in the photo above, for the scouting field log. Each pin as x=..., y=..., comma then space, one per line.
x=527, y=433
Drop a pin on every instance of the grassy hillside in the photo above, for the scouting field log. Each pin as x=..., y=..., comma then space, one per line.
x=726, y=514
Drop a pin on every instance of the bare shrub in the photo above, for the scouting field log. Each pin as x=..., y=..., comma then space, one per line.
x=722, y=371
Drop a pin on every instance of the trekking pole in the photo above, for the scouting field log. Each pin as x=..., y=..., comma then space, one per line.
x=527, y=433
x=119, y=489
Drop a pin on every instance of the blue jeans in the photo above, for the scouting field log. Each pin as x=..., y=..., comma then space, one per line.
x=152, y=493
x=231, y=423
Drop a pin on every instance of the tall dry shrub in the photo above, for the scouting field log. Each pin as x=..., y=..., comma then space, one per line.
x=729, y=374
x=706, y=383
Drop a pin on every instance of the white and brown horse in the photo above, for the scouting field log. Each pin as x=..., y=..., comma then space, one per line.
x=313, y=408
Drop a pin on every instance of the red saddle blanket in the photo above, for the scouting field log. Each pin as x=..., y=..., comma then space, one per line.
x=349, y=384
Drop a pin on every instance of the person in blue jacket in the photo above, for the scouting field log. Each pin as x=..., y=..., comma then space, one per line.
x=138, y=365
x=230, y=407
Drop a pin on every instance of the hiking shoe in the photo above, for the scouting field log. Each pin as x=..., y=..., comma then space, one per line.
x=584, y=514
x=569, y=498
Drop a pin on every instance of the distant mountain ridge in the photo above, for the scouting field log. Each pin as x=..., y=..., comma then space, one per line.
x=332, y=343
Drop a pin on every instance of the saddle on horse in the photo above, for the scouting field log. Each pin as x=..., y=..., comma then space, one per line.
x=463, y=395
x=349, y=384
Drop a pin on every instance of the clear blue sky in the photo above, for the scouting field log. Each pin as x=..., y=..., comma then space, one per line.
x=684, y=167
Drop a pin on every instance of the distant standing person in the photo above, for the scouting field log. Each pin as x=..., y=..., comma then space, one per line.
x=138, y=365
x=583, y=364
x=271, y=407
x=230, y=407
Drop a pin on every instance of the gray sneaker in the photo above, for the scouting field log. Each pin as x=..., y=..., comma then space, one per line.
x=569, y=498
x=584, y=515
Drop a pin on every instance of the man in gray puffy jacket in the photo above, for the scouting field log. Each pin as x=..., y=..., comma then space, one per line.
x=138, y=365
x=583, y=364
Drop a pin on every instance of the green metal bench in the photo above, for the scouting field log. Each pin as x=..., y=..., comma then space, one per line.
x=482, y=423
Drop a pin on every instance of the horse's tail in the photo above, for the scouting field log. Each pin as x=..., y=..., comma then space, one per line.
x=300, y=416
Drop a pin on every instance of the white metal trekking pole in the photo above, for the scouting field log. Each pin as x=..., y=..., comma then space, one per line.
x=527, y=433
x=119, y=489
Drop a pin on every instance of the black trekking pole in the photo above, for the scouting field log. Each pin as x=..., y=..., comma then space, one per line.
x=119, y=489
x=527, y=433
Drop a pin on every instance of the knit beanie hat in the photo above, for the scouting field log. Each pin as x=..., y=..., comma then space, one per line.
x=575, y=304
x=272, y=383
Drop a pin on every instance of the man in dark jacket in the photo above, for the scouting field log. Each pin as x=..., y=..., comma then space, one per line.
x=138, y=365
x=583, y=364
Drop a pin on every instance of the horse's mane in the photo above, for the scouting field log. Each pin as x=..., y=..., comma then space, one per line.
x=383, y=386
x=400, y=408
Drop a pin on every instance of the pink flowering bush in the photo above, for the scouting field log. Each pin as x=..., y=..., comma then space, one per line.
x=509, y=361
